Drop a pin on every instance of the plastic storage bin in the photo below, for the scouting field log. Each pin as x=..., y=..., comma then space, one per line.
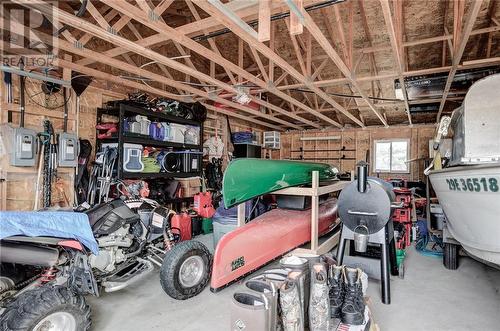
x=223, y=225
x=272, y=139
x=192, y=135
x=177, y=132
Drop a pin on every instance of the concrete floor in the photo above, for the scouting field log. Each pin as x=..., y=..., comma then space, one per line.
x=429, y=298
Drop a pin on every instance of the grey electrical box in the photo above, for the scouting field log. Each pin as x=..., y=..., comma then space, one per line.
x=24, y=148
x=68, y=150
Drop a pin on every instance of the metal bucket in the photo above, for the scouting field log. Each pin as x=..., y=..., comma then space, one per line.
x=361, y=236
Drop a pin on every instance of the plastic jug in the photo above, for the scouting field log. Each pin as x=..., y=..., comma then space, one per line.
x=203, y=204
x=167, y=133
x=181, y=224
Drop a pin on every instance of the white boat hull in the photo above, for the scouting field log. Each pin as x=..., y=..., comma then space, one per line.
x=470, y=198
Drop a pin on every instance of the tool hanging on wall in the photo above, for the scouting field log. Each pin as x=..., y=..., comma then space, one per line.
x=101, y=175
x=82, y=173
x=49, y=150
x=7, y=79
x=79, y=84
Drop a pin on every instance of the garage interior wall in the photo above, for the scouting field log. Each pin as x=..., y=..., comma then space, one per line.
x=360, y=141
x=17, y=191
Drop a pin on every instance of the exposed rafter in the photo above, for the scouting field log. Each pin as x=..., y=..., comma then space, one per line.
x=266, y=51
x=332, y=53
x=406, y=44
x=66, y=46
x=203, y=51
x=459, y=51
x=295, y=81
x=396, y=50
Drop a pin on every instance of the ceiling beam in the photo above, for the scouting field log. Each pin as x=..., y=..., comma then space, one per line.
x=266, y=51
x=396, y=51
x=406, y=44
x=445, y=21
x=265, y=7
x=296, y=10
x=247, y=10
x=171, y=33
x=459, y=51
x=327, y=47
x=211, y=41
x=68, y=47
x=134, y=47
x=369, y=39
x=458, y=17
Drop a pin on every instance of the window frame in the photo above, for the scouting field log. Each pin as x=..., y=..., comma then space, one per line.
x=390, y=171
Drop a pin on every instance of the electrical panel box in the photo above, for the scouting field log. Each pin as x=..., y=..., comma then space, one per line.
x=68, y=150
x=24, y=148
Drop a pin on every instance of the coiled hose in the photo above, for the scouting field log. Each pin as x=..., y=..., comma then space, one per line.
x=423, y=240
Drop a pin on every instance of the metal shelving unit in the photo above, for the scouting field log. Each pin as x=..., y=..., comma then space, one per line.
x=126, y=110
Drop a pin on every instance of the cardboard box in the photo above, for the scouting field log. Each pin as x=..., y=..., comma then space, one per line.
x=189, y=186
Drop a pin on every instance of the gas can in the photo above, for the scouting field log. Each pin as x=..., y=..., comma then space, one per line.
x=181, y=223
x=203, y=204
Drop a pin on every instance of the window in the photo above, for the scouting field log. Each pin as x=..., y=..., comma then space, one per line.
x=391, y=156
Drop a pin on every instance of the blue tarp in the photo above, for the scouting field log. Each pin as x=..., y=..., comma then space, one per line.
x=67, y=225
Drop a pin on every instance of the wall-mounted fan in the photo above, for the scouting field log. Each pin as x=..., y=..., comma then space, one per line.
x=46, y=94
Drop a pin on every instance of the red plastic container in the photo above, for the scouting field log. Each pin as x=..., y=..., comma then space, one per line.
x=402, y=215
x=203, y=204
x=181, y=224
x=403, y=195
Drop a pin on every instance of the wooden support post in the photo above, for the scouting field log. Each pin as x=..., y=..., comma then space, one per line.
x=241, y=214
x=314, y=211
x=265, y=7
x=296, y=26
x=240, y=58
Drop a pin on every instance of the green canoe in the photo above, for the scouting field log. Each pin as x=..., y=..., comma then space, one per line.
x=245, y=179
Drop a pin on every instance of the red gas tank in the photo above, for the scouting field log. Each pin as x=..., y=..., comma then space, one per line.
x=181, y=224
x=203, y=204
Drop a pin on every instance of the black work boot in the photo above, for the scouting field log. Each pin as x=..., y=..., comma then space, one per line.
x=353, y=309
x=337, y=291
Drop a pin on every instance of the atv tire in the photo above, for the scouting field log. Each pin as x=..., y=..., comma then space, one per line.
x=47, y=308
x=185, y=270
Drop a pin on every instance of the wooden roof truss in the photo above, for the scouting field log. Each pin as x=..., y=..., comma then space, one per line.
x=298, y=95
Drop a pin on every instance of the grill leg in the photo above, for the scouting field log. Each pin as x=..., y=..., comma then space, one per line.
x=341, y=249
x=384, y=272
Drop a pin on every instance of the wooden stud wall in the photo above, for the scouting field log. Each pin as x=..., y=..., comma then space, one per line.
x=17, y=184
x=361, y=141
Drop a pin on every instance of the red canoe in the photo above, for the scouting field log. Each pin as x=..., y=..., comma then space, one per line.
x=265, y=238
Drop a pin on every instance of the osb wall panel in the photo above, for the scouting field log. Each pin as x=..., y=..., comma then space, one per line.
x=356, y=145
